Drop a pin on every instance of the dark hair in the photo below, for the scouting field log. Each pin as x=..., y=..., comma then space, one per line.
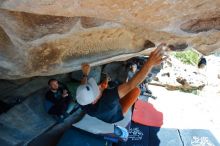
x=51, y=80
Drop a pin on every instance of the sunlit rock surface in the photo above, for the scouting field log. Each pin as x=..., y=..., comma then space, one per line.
x=39, y=38
x=176, y=75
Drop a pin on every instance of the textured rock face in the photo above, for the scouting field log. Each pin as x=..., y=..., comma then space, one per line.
x=49, y=37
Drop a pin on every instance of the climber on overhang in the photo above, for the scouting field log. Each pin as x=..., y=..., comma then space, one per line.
x=110, y=105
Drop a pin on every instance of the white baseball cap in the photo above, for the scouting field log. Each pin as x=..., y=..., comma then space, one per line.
x=87, y=93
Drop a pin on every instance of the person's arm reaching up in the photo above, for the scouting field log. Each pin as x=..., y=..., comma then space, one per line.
x=154, y=59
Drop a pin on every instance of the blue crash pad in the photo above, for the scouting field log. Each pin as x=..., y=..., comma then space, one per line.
x=140, y=135
x=77, y=137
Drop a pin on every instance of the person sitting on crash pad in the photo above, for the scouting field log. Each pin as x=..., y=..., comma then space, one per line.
x=109, y=105
x=58, y=99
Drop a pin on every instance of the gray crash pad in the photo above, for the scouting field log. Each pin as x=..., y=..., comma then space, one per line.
x=25, y=121
x=96, y=126
x=197, y=137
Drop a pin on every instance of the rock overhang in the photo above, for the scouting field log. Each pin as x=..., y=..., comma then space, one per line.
x=51, y=37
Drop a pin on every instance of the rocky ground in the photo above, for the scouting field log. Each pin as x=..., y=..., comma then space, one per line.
x=188, y=111
x=176, y=75
x=193, y=111
x=213, y=76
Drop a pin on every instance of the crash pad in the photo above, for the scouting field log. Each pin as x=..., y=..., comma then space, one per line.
x=197, y=137
x=25, y=121
x=77, y=137
x=138, y=136
x=141, y=135
x=96, y=126
x=145, y=113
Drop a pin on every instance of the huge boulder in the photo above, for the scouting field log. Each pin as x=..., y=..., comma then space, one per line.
x=39, y=38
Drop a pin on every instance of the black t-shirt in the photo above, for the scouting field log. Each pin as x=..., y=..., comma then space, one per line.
x=107, y=108
x=54, y=97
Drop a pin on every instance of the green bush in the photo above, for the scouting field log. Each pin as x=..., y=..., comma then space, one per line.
x=188, y=57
